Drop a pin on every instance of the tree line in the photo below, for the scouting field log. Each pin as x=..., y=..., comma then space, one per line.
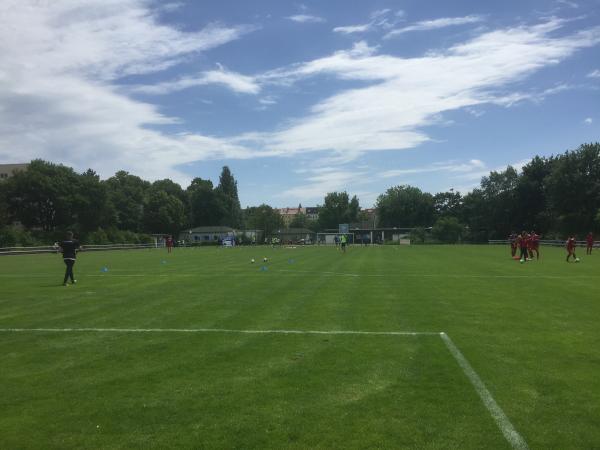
x=552, y=195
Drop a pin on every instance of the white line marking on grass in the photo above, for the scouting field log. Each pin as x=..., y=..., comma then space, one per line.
x=502, y=421
x=215, y=330
x=509, y=432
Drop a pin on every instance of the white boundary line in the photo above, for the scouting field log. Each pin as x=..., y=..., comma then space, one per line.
x=212, y=330
x=508, y=430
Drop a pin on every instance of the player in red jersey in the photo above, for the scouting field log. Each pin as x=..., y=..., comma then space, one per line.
x=571, y=244
x=523, y=240
x=589, y=239
x=534, y=245
x=169, y=243
x=513, y=244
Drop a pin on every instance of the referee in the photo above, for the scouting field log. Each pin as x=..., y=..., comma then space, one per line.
x=69, y=248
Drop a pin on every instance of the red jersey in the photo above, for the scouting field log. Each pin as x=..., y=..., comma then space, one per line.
x=535, y=240
x=590, y=239
x=169, y=242
x=571, y=244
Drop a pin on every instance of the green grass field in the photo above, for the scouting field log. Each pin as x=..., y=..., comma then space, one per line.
x=530, y=332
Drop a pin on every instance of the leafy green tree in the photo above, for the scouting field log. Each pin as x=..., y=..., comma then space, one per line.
x=263, y=218
x=338, y=208
x=173, y=189
x=574, y=188
x=169, y=187
x=447, y=204
x=5, y=217
x=42, y=195
x=474, y=215
x=127, y=194
x=228, y=193
x=448, y=230
x=299, y=221
x=164, y=213
x=533, y=210
x=93, y=208
x=206, y=207
x=405, y=206
x=500, y=205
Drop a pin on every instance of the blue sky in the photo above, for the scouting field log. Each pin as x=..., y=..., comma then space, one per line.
x=299, y=98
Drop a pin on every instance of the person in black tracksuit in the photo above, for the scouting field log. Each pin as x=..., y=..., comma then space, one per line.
x=69, y=249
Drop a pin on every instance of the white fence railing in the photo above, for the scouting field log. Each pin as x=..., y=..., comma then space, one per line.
x=553, y=243
x=87, y=248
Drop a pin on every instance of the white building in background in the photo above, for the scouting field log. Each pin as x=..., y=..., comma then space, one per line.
x=8, y=170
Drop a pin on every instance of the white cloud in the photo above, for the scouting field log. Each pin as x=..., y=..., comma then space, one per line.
x=403, y=95
x=435, y=24
x=568, y=3
x=380, y=19
x=59, y=62
x=588, y=121
x=306, y=18
x=594, y=74
x=353, y=29
x=451, y=167
x=232, y=80
x=322, y=181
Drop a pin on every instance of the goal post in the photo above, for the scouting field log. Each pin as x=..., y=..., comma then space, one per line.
x=330, y=238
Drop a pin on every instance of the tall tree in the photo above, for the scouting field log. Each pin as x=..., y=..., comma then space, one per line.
x=263, y=218
x=227, y=190
x=338, y=208
x=447, y=204
x=206, y=207
x=534, y=211
x=42, y=195
x=92, y=204
x=499, y=191
x=127, y=193
x=405, y=206
x=574, y=188
x=164, y=213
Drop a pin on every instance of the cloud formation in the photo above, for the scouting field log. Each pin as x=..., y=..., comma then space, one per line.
x=62, y=94
x=305, y=18
x=231, y=80
x=60, y=63
x=435, y=24
x=403, y=95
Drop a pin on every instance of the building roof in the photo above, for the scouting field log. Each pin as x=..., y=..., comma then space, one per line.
x=210, y=229
x=296, y=231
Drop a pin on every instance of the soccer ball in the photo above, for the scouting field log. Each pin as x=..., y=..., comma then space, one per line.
x=576, y=259
x=265, y=259
x=521, y=261
x=252, y=260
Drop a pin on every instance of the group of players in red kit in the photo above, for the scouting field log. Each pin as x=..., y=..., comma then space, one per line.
x=529, y=243
x=526, y=243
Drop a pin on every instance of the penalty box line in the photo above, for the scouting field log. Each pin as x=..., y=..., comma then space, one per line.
x=502, y=421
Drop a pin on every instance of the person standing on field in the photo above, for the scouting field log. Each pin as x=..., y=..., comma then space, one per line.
x=523, y=241
x=590, y=243
x=69, y=248
x=571, y=244
x=343, y=241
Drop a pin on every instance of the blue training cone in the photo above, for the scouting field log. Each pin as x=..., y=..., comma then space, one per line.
x=104, y=269
x=264, y=268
